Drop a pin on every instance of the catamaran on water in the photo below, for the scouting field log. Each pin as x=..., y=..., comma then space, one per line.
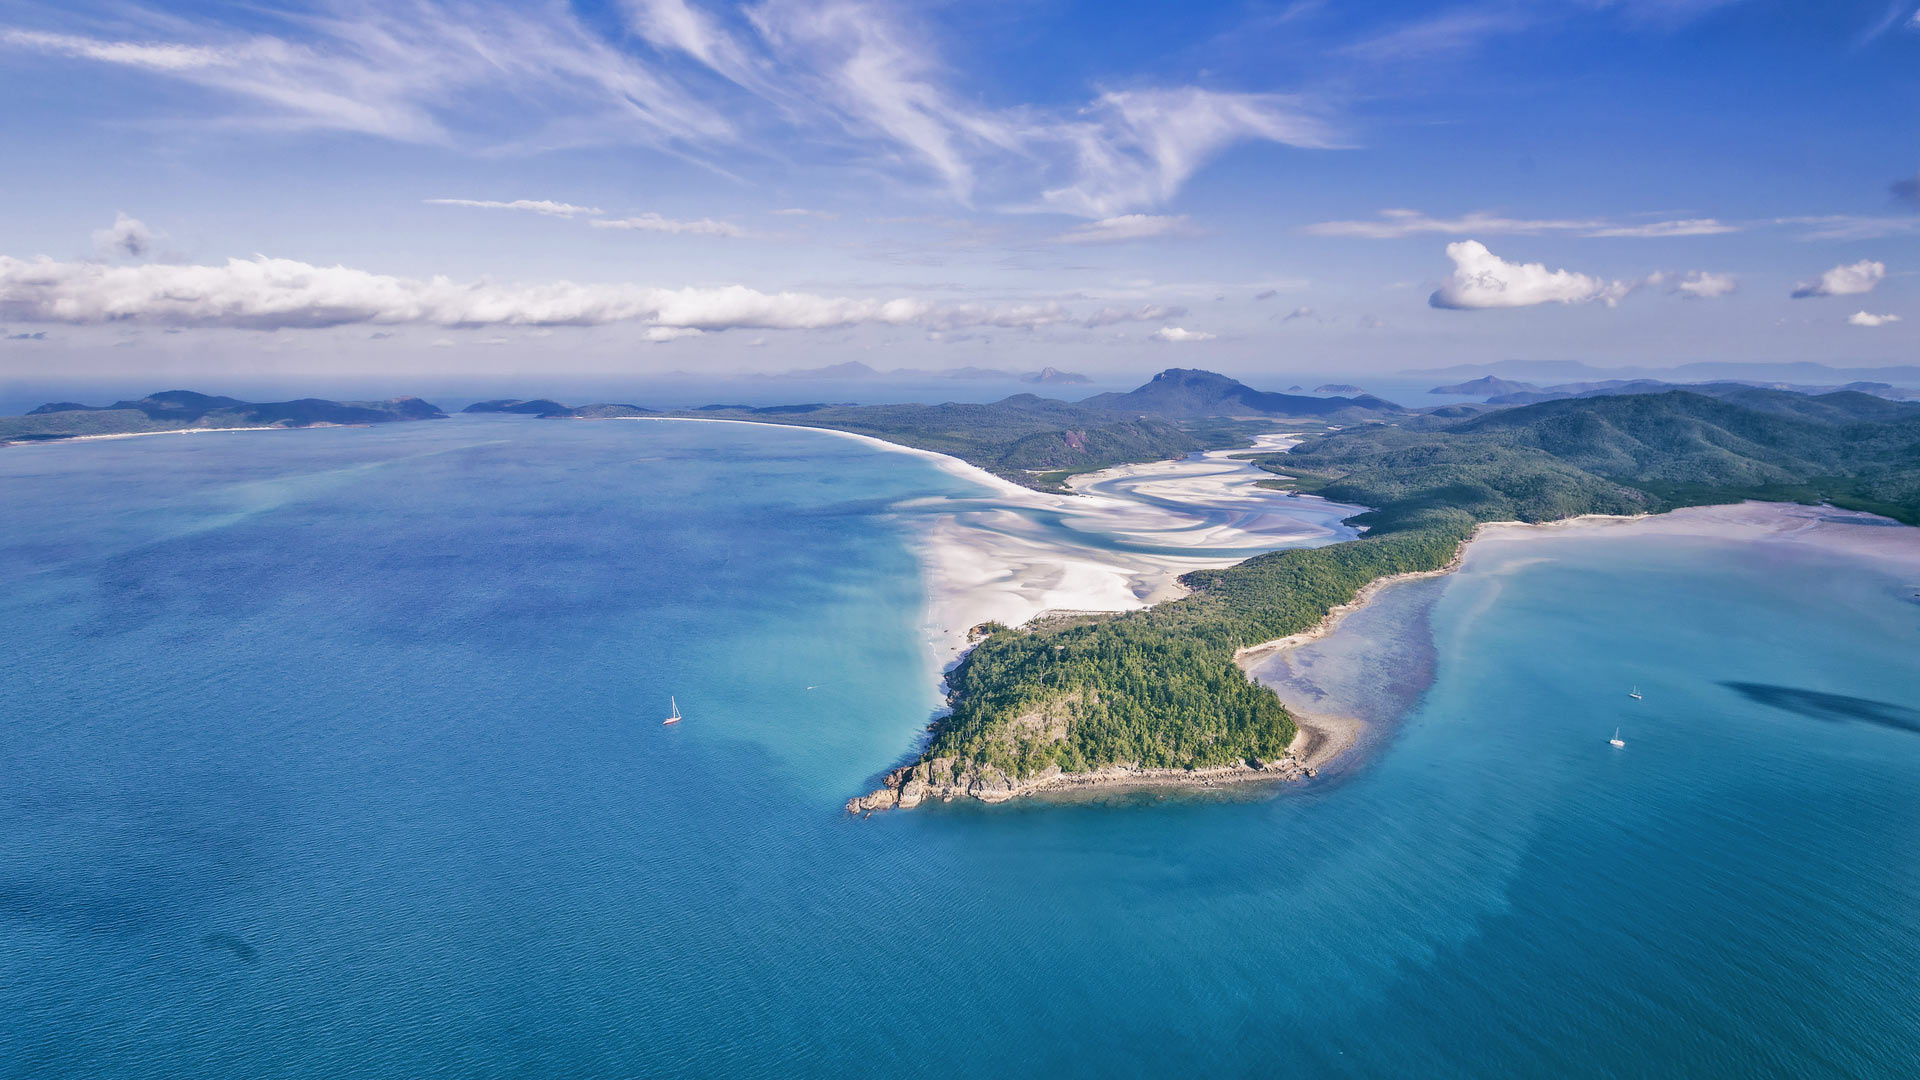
x=1617, y=740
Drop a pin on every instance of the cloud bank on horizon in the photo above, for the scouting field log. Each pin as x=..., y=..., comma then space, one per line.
x=864, y=175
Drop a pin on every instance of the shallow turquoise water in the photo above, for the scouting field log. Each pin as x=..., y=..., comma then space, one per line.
x=336, y=753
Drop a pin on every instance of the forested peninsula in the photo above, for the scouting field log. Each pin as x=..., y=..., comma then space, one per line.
x=1156, y=694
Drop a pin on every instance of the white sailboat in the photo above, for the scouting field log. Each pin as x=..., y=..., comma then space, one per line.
x=1635, y=693
x=674, y=716
x=1617, y=740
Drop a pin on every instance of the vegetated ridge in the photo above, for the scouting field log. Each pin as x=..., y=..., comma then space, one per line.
x=184, y=410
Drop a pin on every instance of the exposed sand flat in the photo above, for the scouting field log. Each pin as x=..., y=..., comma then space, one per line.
x=1332, y=677
x=1120, y=542
x=1844, y=531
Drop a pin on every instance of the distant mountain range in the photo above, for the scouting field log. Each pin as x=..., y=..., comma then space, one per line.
x=1764, y=374
x=183, y=410
x=1500, y=391
x=854, y=370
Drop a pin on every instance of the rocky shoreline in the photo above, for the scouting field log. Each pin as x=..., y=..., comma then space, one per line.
x=928, y=781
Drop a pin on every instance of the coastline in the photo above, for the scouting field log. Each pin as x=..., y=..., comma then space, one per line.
x=1013, y=554
x=1330, y=729
x=138, y=434
x=1333, y=729
x=1330, y=734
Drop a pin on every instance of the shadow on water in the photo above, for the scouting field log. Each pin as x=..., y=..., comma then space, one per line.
x=240, y=949
x=1833, y=708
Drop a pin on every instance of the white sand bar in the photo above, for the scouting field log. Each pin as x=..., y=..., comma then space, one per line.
x=1120, y=542
x=1006, y=553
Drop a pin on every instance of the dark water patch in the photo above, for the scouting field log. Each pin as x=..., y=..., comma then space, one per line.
x=1833, y=708
x=241, y=951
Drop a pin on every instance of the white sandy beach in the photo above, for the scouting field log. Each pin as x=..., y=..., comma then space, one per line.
x=1121, y=542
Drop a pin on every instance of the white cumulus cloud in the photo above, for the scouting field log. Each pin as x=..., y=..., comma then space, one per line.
x=535, y=206
x=125, y=238
x=1397, y=224
x=1482, y=279
x=1180, y=334
x=1850, y=280
x=1868, y=318
x=1703, y=285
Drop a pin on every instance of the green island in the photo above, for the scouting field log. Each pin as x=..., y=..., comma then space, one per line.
x=1157, y=694
x=185, y=410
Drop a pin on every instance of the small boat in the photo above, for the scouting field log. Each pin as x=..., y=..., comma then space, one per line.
x=673, y=717
x=1634, y=693
x=1617, y=740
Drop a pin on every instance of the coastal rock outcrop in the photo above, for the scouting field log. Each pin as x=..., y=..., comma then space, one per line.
x=939, y=778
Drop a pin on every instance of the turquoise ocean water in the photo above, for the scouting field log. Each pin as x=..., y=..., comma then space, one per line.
x=337, y=754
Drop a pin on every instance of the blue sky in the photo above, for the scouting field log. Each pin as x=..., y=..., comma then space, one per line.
x=434, y=189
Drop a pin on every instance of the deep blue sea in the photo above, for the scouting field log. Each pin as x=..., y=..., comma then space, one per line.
x=337, y=753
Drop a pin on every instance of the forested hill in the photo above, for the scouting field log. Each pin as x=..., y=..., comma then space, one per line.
x=1187, y=392
x=1677, y=448
x=1028, y=439
x=1034, y=440
x=1160, y=687
x=178, y=410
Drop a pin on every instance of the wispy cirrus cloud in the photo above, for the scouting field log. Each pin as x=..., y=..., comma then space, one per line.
x=1465, y=29
x=1399, y=223
x=1852, y=226
x=852, y=80
x=546, y=207
x=1138, y=148
x=652, y=222
x=427, y=71
x=1109, y=316
x=1115, y=230
x=1661, y=229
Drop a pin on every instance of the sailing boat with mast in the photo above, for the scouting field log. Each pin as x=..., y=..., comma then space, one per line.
x=1617, y=740
x=674, y=716
x=1635, y=692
